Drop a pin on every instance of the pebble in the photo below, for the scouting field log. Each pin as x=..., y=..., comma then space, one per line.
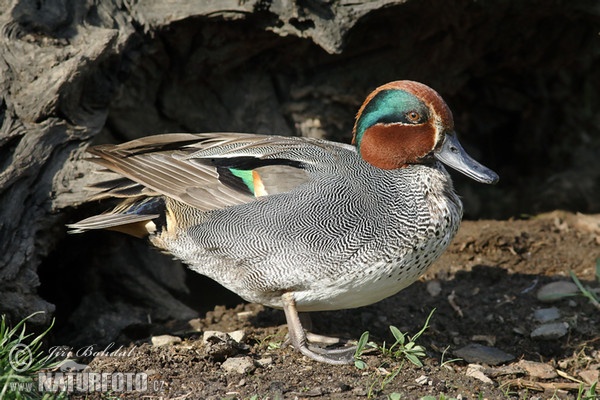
x=490, y=340
x=519, y=330
x=511, y=369
x=555, y=291
x=239, y=336
x=554, y=330
x=589, y=376
x=588, y=223
x=244, y=314
x=572, y=303
x=546, y=314
x=214, y=336
x=538, y=369
x=219, y=344
x=164, y=340
x=276, y=389
x=239, y=365
x=264, y=362
x=422, y=380
x=344, y=387
x=477, y=353
x=476, y=371
x=196, y=324
x=434, y=288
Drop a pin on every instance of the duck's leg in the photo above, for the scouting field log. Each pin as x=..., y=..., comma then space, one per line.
x=298, y=337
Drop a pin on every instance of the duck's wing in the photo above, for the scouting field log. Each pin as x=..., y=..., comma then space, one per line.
x=213, y=170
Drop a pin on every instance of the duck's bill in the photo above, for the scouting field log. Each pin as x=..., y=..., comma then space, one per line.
x=453, y=155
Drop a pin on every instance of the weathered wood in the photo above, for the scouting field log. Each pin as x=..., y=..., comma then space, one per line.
x=522, y=78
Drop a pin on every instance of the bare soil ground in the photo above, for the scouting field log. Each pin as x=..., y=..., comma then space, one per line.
x=489, y=280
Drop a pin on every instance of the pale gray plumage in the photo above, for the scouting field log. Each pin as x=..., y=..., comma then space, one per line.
x=324, y=251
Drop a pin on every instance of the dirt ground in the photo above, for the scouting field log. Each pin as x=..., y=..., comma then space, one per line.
x=485, y=291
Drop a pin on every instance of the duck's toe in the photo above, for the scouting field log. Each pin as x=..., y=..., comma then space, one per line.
x=339, y=356
x=299, y=340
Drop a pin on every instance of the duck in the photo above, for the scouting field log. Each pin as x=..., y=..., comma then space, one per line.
x=297, y=223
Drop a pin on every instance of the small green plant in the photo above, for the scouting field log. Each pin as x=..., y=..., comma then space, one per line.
x=360, y=348
x=406, y=346
x=21, y=358
x=586, y=291
x=272, y=342
x=589, y=394
x=403, y=348
x=379, y=383
x=446, y=362
x=274, y=345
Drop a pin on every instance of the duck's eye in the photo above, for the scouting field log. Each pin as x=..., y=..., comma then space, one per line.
x=413, y=116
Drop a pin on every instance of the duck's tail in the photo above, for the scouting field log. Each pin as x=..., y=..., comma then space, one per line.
x=138, y=217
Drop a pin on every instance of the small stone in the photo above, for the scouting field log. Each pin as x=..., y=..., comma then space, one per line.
x=164, y=340
x=551, y=331
x=511, y=369
x=587, y=223
x=219, y=344
x=359, y=391
x=196, y=324
x=344, y=387
x=276, y=389
x=546, y=314
x=476, y=371
x=213, y=336
x=422, y=380
x=557, y=291
x=434, y=288
x=238, y=365
x=243, y=315
x=538, y=369
x=477, y=353
x=69, y=365
x=264, y=362
x=589, y=376
x=490, y=340
x=519, y=330
x=239, y=336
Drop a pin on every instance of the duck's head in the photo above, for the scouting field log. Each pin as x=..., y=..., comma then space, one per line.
x=406, y=122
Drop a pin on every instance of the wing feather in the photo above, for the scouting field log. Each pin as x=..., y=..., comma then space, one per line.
x=185, y=166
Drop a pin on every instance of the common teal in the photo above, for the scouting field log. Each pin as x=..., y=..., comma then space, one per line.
x=299, y=224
